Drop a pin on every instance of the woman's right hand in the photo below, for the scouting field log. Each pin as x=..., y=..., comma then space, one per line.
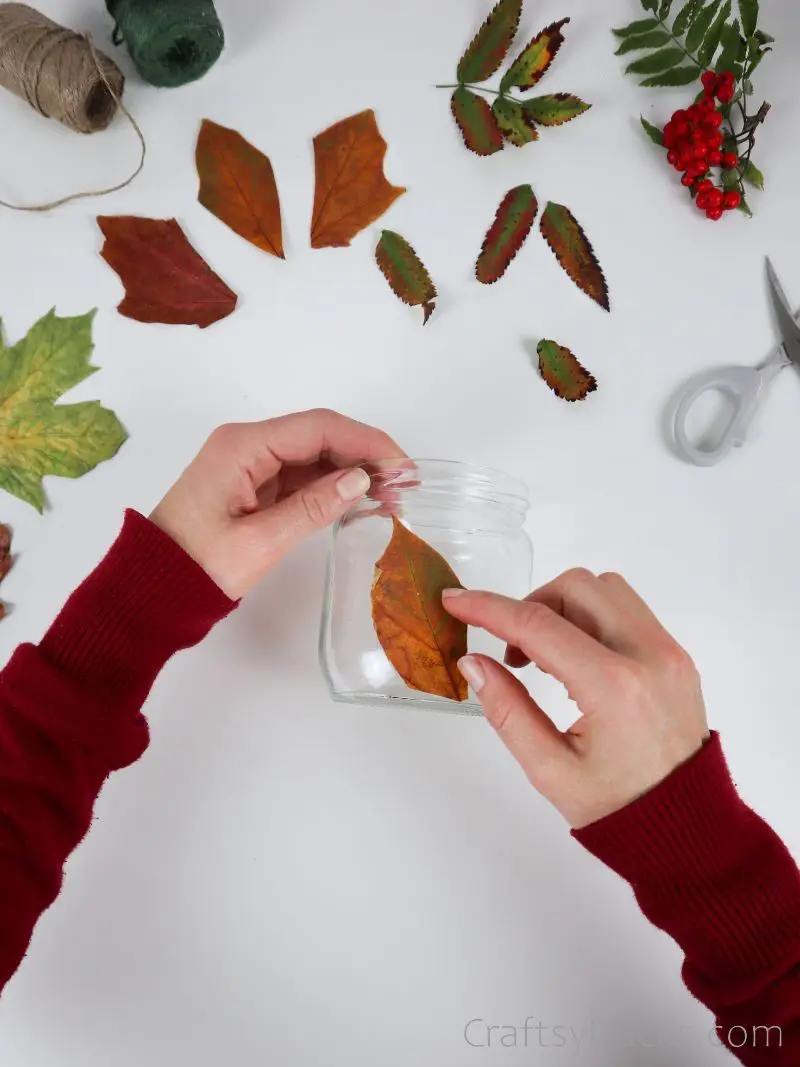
x=638, y=691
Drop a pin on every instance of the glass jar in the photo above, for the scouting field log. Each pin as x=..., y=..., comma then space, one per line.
x=472, y=515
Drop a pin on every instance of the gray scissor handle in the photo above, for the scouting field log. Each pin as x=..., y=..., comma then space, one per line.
x=745, y=386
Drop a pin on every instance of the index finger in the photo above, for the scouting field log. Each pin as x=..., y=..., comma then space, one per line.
x=549, y=640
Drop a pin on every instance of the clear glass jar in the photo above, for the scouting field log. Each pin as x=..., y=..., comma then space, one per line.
x=472, y=515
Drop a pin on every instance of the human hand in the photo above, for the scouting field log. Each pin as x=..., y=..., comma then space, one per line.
x=637, y=689
x=257, y=489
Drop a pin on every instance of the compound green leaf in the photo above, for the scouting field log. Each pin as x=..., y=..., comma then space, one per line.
x=574, y=252
x=712, y=39
x=647, y=41
x=490, y=45
x=406, y=273
x=478, y=125
x=700, y=25
x=554, y=110
x=684, y=17
x=656, y=62
x=516, y=125
x=732, y=47
x=511, y=226
x=563, y=373
x=534, y=60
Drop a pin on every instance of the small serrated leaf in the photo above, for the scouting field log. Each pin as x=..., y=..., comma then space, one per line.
x=648, y=40
x=516, y=125
x=653, y=132
x=554, y=110
x=659, y=61
x=700, y=25
x=676, y=76
x=568, y=379
x=478, y=125
x=748, y=9
x=684, y=17
x=491, y=43
x=512, y=224
x=752, y=175
x=574, y=252
x=712, y=39
x=641, y=26
x=406, y=273
x=731, y=47
x=532, y=63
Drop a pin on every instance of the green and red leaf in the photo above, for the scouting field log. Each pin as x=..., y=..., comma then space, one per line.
x=491, y=43
x=515, y=124
x=477, y=123
x=554, y=110
x=574, y=252
x=511, y=226
x=563, y=373
x=406, y=273
x=534, y=60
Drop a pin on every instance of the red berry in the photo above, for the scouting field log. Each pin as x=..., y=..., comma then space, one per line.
x=706, y=106
x=688, y=180
x=727, y=77
x=731, y=200
x=729, y=160
x=716, y=198
x=700, y=151
x=714, y=213
x=681, y=127
x=702, y=201
x=673, y=156
x=725, y=93
x=710, y=81
x=715, y=139
x=705, y=186
x=714, y=157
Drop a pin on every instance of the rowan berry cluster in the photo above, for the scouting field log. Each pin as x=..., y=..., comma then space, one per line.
x=694, y=141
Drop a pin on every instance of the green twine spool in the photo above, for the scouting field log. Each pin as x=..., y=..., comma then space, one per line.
x=171, y=42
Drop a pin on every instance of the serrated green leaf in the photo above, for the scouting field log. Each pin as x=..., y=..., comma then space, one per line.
x=641, y=26
x=491, y=43
x=406, y=273
x=568, y=379
x=684, y=17
x=554, y=110
x=748, y=9
x=506, y=235
x=731, y=47
x=752, y=175
x=764, y=38
x=478, y=125
x=664, y=9
x=574, y=252
x=676, y=76
x=664, y=59
x=37, y=436
x=515, y=124
x=711, y=41
x=647, y=40
x=534, y=60
x=653, y=132
x=700, y=25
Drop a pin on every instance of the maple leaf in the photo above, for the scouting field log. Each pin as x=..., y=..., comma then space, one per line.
x=237, y=184
x=477, y=122
x=511, y=226
x=5, y=559
x=574, y=252
x=351, y=189
x=406, y=273
x=554, y=110
x=516, y=125
x=563, y=373
x=491, y=43
x=421, y=640
x=165, y=279
x=534, y=60
x=37, y=436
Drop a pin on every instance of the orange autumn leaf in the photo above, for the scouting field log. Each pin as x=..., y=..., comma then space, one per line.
x=422, y=642
x=351, y=189
x=237, y=184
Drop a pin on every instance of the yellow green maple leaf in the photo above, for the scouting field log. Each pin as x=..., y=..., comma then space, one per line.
x=37, y=436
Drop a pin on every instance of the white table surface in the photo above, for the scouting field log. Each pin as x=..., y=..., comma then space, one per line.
x=285, y=881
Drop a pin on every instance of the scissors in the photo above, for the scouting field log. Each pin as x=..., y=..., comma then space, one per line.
x=746, y=387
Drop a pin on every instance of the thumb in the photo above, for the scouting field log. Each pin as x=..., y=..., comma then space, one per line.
x=312, y=508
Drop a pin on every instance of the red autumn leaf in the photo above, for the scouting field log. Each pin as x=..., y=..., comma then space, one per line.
x=573, y=250
x=563, y=373
x=479, y=127
x=165, y=279
x=511, y=226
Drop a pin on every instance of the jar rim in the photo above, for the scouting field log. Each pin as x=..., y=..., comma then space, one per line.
x=442, y=476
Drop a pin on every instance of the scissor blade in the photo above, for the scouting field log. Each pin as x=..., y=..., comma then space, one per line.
x=790, y=330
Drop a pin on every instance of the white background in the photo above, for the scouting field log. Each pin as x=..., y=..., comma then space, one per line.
x=285, y=881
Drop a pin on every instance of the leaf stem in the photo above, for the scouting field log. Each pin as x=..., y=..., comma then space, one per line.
x=475, y=88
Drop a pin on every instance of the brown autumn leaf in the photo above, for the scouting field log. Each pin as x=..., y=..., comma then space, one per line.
x=351, y=189
x=237, y=184
x=423, y=643
x=165, y=279
x=5, y=559
x=568, y=379
x=573, y=250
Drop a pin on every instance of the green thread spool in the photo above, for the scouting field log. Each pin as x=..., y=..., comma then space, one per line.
x=171, y=42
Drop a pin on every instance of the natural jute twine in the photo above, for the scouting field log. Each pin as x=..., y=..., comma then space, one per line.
x=62, y=75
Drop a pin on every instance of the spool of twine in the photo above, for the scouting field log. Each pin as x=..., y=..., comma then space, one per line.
x=62, y=75
x=171, y=42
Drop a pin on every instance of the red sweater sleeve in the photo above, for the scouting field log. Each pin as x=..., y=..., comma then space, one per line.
x=713, y=875
x=70, y=710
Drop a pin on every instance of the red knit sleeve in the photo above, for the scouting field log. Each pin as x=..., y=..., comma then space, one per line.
x=70, y=710
x=713, y=875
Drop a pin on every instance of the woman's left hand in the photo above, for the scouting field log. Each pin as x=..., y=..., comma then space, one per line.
x=257, y=489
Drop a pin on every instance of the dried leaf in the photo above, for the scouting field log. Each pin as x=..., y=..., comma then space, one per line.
x=406, y=273
x=554, y=110
x=165, y=279
x=5, y=559
x=563, y=373
x=532, y=63
x=423, y=643
x=515, y=124
x=351, y=189
x=478, y=125
x=237, y=184
x=511, y=226
x=37, y=436
x=491, y=43
x=574, y=252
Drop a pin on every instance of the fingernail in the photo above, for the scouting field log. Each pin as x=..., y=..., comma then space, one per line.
x=353, y=484
x=473, y=672
x=448, y=594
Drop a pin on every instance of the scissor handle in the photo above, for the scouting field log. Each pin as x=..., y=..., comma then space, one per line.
x=745, y=386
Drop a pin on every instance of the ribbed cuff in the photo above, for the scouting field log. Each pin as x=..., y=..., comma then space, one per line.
x=146, y=600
